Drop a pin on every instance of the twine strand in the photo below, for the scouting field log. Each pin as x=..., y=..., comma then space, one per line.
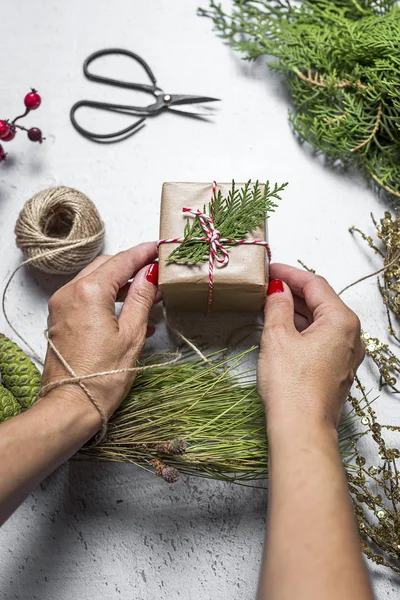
x=389, y=264
x=74, y=379
x=3, y=306
x=184, y=339
x=79, y=379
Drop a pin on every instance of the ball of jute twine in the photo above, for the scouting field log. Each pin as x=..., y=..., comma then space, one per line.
x=60, y=231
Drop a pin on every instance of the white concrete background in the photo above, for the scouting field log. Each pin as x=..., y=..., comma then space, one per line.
x=113, y=531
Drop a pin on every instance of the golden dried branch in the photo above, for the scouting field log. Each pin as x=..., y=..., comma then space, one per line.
x=318, y=81
x=390, y=264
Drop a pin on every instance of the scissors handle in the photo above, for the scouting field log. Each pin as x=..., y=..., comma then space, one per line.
x=151, y=89
x=106, y=137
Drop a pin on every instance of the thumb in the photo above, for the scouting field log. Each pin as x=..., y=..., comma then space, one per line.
x=279, y=306
x=139, y=300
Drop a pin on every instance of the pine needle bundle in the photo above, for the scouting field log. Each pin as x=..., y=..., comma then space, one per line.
x=206, y=420
x=340, y=60
x=197, y=418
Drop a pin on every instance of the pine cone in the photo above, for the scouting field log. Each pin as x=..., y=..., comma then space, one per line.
x=175, y=446
x=18, y=373
x=170, y=475
x=9, y=407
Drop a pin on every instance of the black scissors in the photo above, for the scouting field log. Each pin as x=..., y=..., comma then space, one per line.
x=162, y=101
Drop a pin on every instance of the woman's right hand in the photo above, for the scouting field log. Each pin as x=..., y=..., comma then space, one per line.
x=310, y=349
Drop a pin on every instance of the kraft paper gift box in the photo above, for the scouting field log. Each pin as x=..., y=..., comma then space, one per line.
x=238, y=286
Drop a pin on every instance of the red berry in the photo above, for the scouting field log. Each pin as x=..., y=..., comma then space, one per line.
x=4, y=129
x=10, y=135
x=35, y=135
x=32, y=100
x=2, y=154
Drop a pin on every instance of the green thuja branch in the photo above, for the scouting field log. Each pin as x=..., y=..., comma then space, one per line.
x=341, y=63
x=240, y=212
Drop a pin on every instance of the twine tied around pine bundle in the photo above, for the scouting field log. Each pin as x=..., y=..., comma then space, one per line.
x=79, y=380
x=212, y=236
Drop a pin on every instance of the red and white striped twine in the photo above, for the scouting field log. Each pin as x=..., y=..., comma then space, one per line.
x=212, y=236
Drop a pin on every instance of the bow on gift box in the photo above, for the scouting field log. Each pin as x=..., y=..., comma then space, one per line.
x=227, y=223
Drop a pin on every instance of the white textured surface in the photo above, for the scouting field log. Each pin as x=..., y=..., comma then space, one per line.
x=113, y=531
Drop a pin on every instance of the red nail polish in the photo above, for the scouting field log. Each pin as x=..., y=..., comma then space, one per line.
x=275, y=287
x=152, y=274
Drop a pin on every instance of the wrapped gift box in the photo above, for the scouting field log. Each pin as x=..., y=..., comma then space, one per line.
x=239, y=286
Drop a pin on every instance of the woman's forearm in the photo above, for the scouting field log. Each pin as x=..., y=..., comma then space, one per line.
x=83, y=326
x=37, y=441
x=312, y=549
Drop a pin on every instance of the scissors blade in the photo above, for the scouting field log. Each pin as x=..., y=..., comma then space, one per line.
x=201, y=116
x=176, y=99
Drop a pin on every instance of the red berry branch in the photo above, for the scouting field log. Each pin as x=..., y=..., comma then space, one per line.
x=8, y=129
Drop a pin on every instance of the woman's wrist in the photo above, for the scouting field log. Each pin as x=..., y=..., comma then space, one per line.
x=298, y=427
x=77, y=409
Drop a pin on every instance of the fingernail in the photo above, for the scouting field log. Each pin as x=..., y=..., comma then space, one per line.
x=152, y=274
x=275, y=287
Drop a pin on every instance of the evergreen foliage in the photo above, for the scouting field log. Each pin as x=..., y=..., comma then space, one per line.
x=341, y=63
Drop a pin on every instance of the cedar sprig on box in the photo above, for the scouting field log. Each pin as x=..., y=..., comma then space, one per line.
x=242, y=210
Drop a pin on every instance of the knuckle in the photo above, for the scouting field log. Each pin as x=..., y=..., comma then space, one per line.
x=277, y=306
x=357, y=324
x=316, y=285
x=275, y=301
x=316, y=281
x=99, y=260
x=346, y=321
x=352, y=323
x=273, y=331
x=86, y=289
x=320, y=279
x=276, y=329
x=140, y=246
x=55, y=301
x=143, y=298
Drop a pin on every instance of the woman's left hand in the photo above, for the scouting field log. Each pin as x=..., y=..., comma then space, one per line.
x=84, y=327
